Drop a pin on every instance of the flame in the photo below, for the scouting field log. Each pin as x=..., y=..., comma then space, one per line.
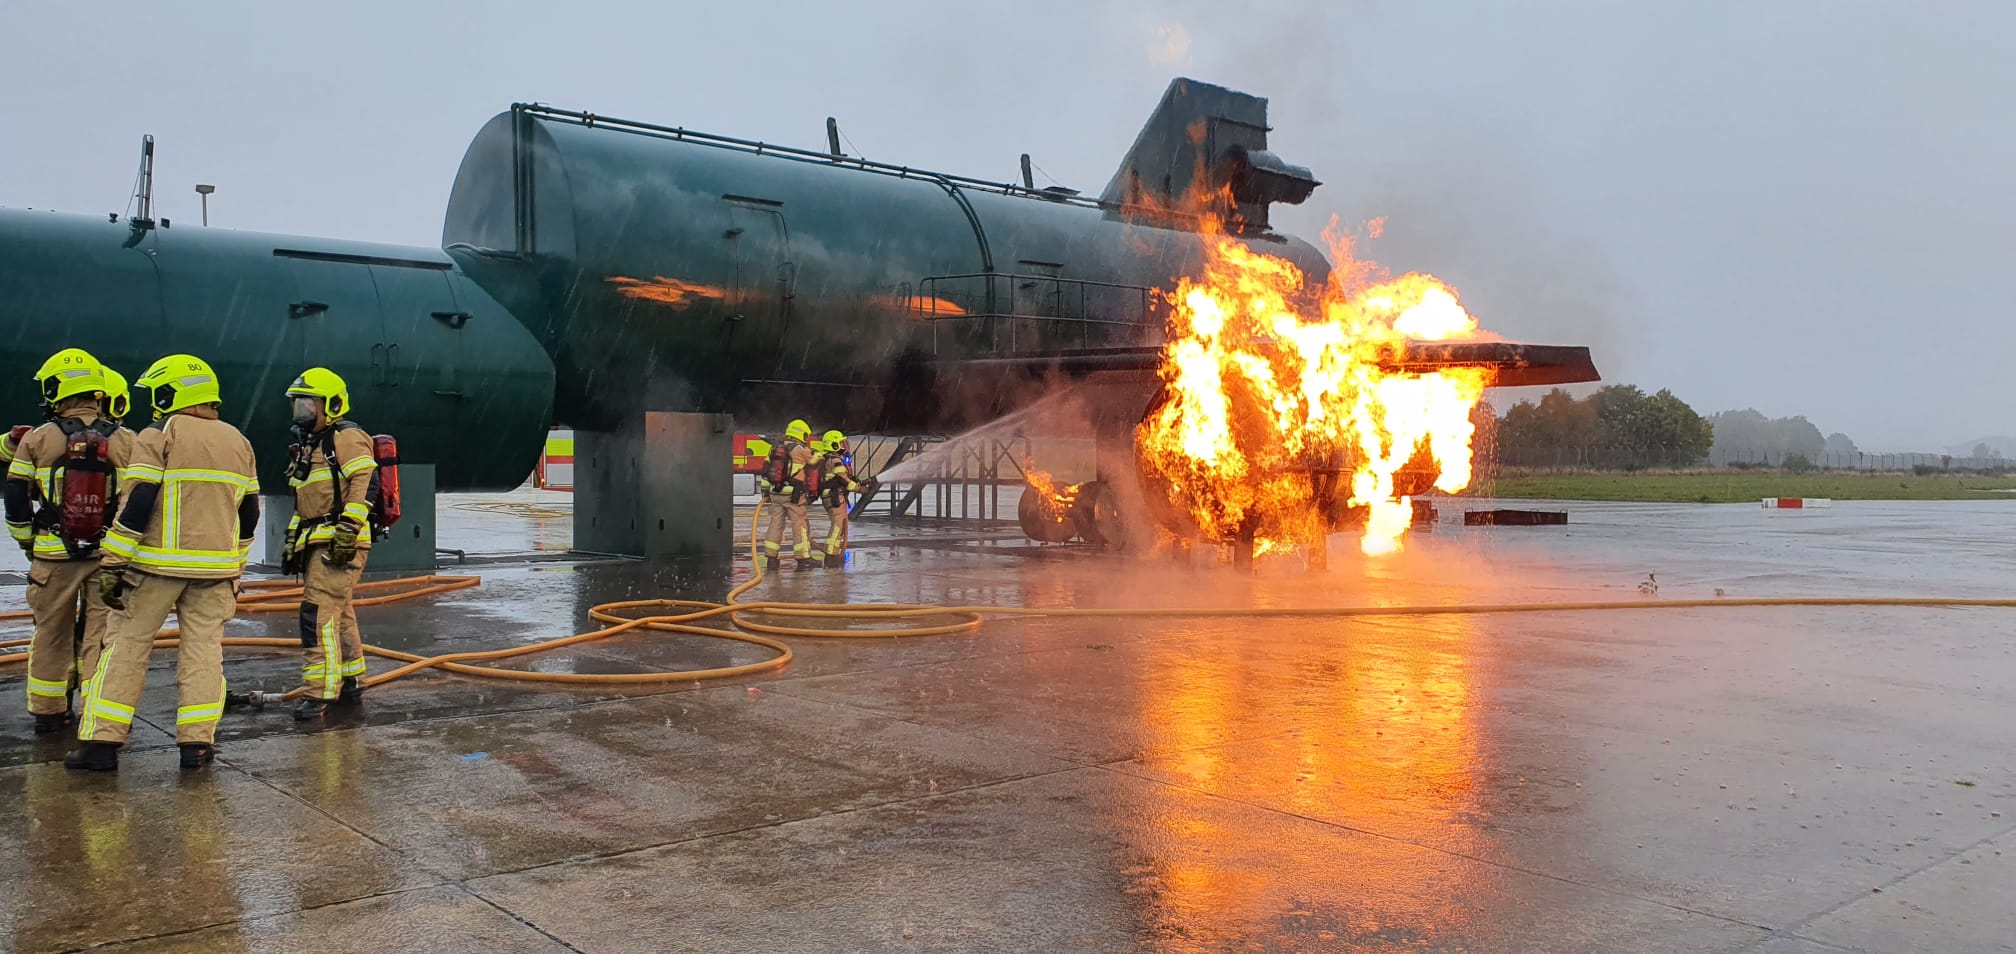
x=1040, y=482
x=1272, y=386
x=676, y=292
x=1046, y=485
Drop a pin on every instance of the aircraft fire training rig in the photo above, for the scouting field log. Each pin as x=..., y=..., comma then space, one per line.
x=658, y=288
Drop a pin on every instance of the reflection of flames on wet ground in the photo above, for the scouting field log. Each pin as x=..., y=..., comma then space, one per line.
x=1280, y=418
x=1389, y=743
x=676, y=292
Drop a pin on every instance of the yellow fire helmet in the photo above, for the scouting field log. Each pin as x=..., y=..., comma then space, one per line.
x=118, y=398
x=833, y=442
x=325, y=384
x=178, y=382
x=68, y=373
x=798, y=431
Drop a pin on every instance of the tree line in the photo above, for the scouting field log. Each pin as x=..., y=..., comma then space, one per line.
x=1621, y=427
x=1617, y=427
x=1748, y=436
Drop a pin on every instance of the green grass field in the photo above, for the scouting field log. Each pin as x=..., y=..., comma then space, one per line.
x=1744, y=486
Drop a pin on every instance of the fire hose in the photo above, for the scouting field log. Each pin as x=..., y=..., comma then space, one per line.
x=274, y=596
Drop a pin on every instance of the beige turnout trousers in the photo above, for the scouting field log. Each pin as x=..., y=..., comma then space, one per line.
x=202, y=607
x=835, y=543
x=335, y=647
x=53, y=588
x=784, y=510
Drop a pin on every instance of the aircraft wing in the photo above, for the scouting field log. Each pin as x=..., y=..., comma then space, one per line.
x=1516, y=364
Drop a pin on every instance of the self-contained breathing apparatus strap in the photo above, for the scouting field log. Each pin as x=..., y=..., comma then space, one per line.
x=302, y=460
x=327, y=442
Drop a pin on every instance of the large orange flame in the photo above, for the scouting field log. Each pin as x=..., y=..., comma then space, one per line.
x=1275, y=394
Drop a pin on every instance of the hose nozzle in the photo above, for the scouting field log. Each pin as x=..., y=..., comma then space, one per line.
x=257, y=699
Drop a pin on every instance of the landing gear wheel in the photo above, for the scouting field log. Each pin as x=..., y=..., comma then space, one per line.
x=1098, y=516
x=1042, y=519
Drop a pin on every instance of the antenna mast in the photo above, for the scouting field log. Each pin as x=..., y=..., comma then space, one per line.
x=146, y=189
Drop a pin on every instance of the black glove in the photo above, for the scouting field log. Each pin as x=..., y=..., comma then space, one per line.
x=342, y=544
x=112, y=588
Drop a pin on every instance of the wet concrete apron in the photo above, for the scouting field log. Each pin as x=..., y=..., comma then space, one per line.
x=1778, y=780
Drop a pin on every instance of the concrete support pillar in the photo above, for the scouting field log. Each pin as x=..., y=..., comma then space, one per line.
x=660, y=485
x=409, y=547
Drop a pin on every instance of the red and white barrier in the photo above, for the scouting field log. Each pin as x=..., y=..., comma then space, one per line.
x=1797, y=503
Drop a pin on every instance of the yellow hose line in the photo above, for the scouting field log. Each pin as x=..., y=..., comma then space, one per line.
x=282, y=596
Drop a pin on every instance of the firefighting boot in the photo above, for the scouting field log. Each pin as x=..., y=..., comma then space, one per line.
x=347, y=697
x=93, y=757
x=195, y=755
x=835, y=561
x=52, y=723
x=807, y=563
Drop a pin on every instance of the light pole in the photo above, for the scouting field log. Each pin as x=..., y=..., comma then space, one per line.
x=204, y=191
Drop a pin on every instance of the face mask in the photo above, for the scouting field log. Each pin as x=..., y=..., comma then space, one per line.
x=305, y=409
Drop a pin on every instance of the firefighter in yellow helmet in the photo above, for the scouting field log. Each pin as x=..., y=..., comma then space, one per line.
x=836, y=481
x=118, y=397
x=178, y=546
x=333, y=473
x=61, y=491
x=787, y=485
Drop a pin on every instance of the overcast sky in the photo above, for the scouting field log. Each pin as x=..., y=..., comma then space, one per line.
x=1802, y=207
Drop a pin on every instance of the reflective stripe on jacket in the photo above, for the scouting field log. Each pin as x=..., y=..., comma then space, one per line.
x=204, y=469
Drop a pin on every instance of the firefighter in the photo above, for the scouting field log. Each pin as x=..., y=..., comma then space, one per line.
x=836, y=481
x=787, y=481
x=332, y=473
x=60, y=494
x=178, y=546
x=118, y=397
x=11, y=441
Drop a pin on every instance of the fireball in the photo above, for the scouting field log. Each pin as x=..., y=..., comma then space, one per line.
x=1278, y=400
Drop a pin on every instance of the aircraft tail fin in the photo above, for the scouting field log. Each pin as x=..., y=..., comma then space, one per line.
x=1203, y=155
